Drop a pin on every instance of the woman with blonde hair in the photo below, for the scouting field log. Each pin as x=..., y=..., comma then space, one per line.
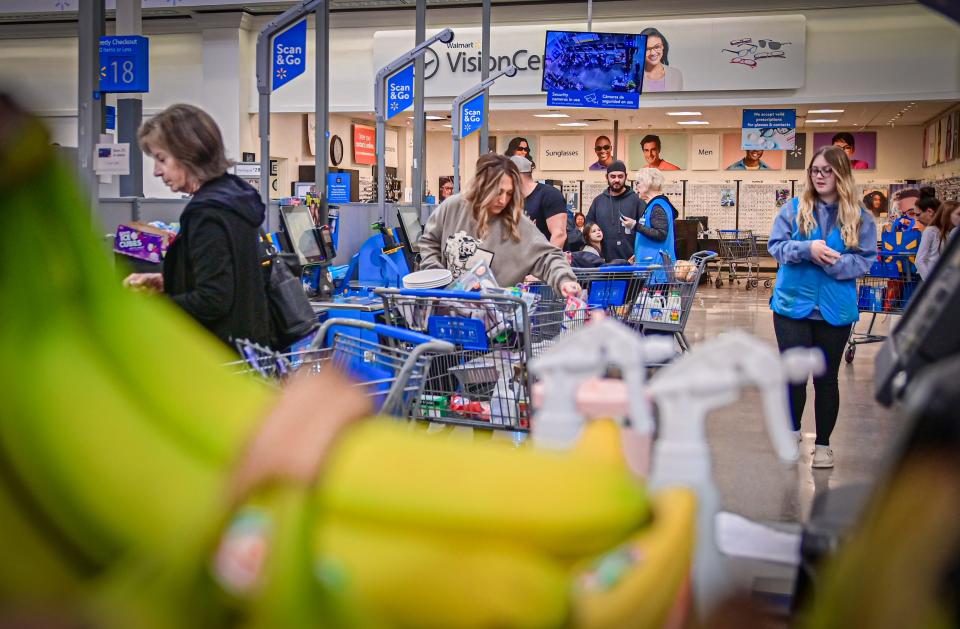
x=486, y=223
x=824, y=240
x=655, y=231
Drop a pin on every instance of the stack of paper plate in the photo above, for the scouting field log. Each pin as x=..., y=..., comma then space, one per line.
x=430, y=278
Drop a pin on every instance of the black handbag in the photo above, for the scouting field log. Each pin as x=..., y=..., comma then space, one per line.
x=290, y=310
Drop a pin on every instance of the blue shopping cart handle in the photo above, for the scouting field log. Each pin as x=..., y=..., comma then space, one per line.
x=455, y=294
x=706, y=253
x=401, y=334
x=619, y=269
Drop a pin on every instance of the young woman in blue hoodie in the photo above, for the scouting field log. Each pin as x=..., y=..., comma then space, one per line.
x=823, y=240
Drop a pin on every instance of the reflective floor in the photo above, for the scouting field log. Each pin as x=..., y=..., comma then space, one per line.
x=752, y=481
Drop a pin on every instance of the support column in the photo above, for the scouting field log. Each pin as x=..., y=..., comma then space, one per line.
x=227, y=77
x=130, y=106
x=89, y=109
x=419, y=170
x=484, y=75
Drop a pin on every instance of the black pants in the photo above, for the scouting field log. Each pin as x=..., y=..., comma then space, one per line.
x=832, y=340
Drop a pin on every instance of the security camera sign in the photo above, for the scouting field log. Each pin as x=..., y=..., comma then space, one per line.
x=289, y=54
x=471, y=116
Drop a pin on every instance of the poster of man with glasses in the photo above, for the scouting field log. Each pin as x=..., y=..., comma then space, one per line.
x=603, y=149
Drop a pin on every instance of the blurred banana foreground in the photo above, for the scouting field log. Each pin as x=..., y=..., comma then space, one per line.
x=122, y=433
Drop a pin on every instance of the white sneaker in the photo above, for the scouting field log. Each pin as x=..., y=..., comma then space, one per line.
x=822, y=457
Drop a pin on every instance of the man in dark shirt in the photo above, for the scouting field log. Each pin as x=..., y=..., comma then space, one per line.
x=543, y=204
x=616, y=211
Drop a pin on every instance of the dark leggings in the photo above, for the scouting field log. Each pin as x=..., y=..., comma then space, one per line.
x=832, y=340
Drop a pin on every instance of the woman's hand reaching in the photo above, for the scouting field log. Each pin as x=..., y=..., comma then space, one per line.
x=146, y=282
x=570, y=288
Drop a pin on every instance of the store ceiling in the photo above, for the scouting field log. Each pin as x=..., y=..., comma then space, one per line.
x=871, y=115
x=34, y=11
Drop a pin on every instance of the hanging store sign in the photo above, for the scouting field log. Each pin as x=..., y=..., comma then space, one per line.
x=769, y=129
x=741, y=53
x=400, y=91
x=471, y=115
x=124, y=64
x=289, y=54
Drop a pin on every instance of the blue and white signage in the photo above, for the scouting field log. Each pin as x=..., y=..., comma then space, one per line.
x=110, y=115
x=289, y=54
x=338, y=187
x=769, y=129
x=603, y=70
x=400, y=91
x=124, y=64
x=471, y=115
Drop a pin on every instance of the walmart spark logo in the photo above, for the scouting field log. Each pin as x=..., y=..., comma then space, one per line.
x=281, y=73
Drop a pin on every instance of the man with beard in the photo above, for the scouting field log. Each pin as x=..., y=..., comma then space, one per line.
x=616, y=211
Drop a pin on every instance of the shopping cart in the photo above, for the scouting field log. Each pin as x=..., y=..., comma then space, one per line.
x=656, y=298
x=388, y=363
x=739, y=247
x=484, y=382
x=885, y=290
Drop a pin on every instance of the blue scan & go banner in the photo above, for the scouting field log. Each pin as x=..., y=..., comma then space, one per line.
x=289, y=54
x=471, y=115
x=400, y=91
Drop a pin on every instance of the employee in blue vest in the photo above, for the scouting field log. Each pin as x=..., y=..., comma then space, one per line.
x=655, y=229
x=823, y=240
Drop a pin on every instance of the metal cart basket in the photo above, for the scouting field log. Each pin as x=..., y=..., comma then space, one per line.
x=885, y=290
x=388, y=363
x=739, y=247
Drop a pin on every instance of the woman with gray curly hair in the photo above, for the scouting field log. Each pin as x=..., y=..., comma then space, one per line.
x=655, y=232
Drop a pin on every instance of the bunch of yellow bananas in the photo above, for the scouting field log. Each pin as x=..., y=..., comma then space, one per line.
x=121, y=430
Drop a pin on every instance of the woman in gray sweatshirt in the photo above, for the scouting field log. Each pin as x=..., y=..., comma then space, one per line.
x=486, y=222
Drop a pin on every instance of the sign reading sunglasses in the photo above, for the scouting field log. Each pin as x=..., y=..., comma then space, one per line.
x=769, y=129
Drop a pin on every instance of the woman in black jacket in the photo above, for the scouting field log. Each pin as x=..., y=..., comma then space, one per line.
x=212, y=270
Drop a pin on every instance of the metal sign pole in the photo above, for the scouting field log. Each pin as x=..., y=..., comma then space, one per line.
x=379, y=104
x=264, y=40
x=457, y=117
x=418, y=170
x=322, y=109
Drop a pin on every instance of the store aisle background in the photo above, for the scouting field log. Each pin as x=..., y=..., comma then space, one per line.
x=752, y=481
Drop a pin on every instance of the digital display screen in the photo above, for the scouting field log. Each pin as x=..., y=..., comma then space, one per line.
x=410, y=222
x=299, y=225
x=593, y=69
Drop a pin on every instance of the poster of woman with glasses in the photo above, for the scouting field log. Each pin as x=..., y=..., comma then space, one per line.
x=658, y=74
x=860, y=147
x=603, y=149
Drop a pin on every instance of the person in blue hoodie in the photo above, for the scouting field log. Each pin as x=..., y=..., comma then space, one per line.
x=212, y=269
x=823, y=240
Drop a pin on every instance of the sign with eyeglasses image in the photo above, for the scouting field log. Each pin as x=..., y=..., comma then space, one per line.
x=769, y=129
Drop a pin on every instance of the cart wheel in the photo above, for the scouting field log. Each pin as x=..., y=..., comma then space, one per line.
x=850, y=353
x=718, y=283
x=767, y=283
x=754, y=283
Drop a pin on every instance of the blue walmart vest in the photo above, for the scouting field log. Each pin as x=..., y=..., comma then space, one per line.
x=803, y=286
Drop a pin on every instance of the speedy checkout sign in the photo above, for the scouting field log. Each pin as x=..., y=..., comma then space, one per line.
x=289, y=54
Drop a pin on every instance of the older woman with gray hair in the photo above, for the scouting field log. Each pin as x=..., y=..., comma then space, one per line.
x=655, y=232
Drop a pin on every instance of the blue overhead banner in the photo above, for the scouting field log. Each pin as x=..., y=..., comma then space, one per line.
x=769, y=118
x=400, y=91
x=338, y=187
x=471, y=115
x=769, y=129
x=289, y=54
x=124, y=64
